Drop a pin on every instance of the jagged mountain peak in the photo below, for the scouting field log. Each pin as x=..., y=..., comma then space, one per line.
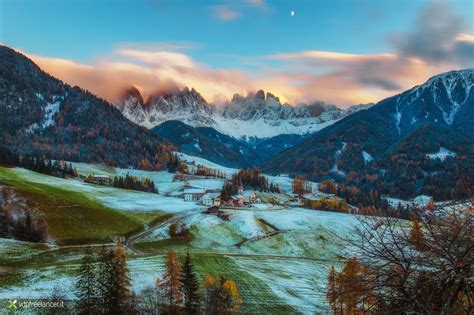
x=442, y=100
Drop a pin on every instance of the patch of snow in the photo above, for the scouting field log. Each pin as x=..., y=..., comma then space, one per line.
x=442, y=154
x=367, y=157
x=194, y=161
x=196, y=145
x=246, y=223
x=49, y=111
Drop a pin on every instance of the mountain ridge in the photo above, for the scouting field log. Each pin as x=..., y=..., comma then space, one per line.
x=442, y=107
x=41, y=115
x=257, y=115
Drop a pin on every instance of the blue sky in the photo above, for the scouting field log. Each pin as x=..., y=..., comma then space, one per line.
x=225, y=35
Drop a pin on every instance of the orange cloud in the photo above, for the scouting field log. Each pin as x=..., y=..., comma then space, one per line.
x=305, y=76
x=150, y=72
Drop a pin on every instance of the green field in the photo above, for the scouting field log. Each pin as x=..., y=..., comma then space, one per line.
x=73, y=217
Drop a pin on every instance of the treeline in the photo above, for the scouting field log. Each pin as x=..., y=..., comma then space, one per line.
x=364, y=192
x=247, y=179
x=301, y=186
x=332, y=204
x=176, y=165
x=104, y=287
x=209, y=172
x=37, y=164
x=134, y=183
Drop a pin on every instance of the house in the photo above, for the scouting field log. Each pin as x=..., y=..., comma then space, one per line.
x=193, y=194
x=99, y=179
x=237, y=200
x=211, y=199
x=294, y=200
x=249, y=196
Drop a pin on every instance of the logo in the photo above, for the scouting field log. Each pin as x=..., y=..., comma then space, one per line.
x=11, y=305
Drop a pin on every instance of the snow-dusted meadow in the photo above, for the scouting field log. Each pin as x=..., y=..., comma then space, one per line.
x=279, y=256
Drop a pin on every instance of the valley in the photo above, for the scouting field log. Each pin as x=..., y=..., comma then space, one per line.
x=307, y=245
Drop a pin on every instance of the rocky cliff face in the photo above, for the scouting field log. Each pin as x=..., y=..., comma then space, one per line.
x=257, y=115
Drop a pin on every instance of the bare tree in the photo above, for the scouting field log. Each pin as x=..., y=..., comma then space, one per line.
x=423, y=266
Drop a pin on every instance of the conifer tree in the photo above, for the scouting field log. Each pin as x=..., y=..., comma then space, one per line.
x=416, y=235
x=171, y=284
x=332, y=289
x=108, y=284
x=86, y=286
x=123, y=281
x=190, y=288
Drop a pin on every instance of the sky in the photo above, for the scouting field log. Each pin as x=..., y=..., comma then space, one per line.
x=342, y=52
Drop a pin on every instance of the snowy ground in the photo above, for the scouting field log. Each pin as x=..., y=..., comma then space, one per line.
x=285, y=272
x=119, y=199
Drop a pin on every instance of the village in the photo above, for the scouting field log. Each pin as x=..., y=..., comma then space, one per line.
x=306, y=194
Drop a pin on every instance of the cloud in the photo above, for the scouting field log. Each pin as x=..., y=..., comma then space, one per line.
x=225, y=12
x=346, y=79
x=437, y=43
x=232, y=10
x=150, y=71
x=257, y=3
x=435, y=37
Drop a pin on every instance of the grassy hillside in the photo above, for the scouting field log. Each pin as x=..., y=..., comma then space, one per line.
x=71, y=215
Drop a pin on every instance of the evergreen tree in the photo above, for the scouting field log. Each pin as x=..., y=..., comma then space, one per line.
x=108, y=284
x=86, y=286
x=190, y=288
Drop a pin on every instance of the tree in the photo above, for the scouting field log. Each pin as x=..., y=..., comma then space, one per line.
x=432, y=275
x=416, y=235
x=328, y=186
x=108, y=284
x=301, y=185
x=86, y=286
x=221, y=295
x=190, y=288
x=171, y=284
x=332, y=290
x=123, y=282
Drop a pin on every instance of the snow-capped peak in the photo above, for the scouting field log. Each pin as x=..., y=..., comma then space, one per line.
x=258, y=114
x=439, y=100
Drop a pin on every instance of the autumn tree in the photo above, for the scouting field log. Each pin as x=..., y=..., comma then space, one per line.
x=114, y=282
x=221, y=295
x=123, y=277
x=171, y=284
x=416, y=235
x=350, y=291
x=301, y=185
x=328, y=186
x=426, y=269
x=332, y=290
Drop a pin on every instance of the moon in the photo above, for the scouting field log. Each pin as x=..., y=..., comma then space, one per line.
x=292, y=13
